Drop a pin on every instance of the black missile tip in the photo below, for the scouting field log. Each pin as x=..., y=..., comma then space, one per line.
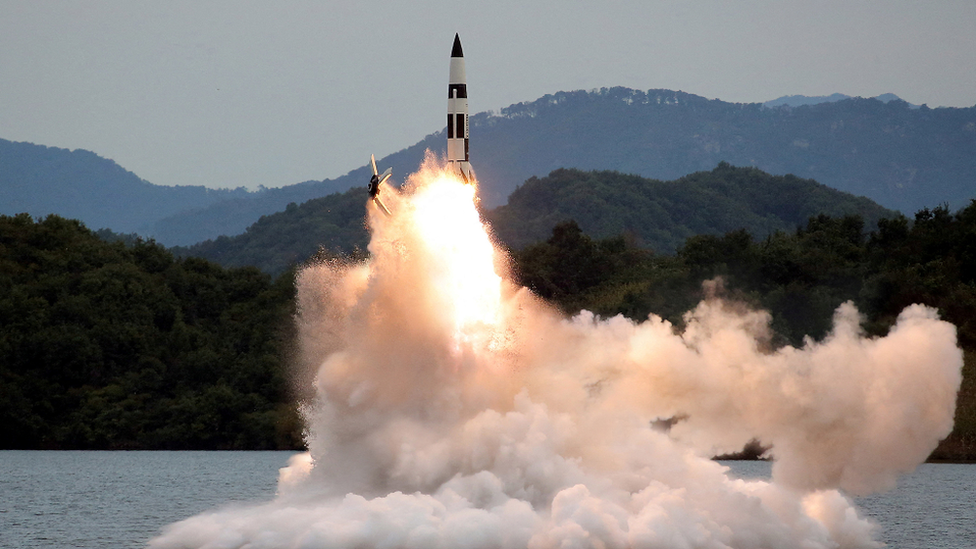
x=456, y=52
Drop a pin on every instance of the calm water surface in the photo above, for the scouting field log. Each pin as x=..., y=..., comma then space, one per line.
x=122, y=499
x=933, y=508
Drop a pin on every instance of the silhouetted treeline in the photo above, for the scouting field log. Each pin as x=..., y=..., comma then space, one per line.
x=800, y=277
x=108, y=345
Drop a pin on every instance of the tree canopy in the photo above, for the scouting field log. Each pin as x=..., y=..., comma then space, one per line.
x=108, y=345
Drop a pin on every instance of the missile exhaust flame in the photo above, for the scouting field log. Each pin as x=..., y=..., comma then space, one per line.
x=455, y=409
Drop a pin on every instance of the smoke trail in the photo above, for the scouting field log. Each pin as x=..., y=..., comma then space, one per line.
x=455, y=410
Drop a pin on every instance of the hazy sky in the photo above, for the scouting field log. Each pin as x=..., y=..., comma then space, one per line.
x=231, y=93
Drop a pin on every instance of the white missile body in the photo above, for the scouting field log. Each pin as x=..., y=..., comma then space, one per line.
x=457, y=115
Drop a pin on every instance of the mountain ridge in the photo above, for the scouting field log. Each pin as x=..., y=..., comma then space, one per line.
x=40, y=180
x=902, y=157
x=658, y=214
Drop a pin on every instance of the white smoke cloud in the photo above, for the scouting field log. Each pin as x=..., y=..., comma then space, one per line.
x=455, y=410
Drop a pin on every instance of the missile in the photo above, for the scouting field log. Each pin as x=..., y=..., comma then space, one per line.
x=457, y=115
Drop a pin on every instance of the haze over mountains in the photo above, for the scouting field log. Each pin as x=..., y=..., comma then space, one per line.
x=800, y=100
x=902, y=157
x=81, y=185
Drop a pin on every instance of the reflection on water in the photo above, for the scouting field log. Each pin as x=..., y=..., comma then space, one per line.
x=932, y=508
x=122, y=499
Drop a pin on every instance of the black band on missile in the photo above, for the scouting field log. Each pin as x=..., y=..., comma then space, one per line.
x=462, y=91
x=459, y=125
x=450, y=126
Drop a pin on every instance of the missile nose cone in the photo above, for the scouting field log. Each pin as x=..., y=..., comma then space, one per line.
x=456, y=51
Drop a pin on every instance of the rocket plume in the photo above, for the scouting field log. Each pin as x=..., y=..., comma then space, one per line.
x=456, y=410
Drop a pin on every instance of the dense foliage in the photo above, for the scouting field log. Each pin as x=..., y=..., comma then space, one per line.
x=662, y=214
x=108, y=345
x=799, y=276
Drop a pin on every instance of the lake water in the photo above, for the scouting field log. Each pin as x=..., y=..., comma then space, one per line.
x=122, y=499
x=933, y=508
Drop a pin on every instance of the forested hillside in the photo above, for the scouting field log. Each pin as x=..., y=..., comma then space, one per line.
x=658, y=214
x=109, y=346
x=335, y=224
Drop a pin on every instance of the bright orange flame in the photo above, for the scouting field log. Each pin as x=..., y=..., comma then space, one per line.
x=437, y=249
x=462, y=254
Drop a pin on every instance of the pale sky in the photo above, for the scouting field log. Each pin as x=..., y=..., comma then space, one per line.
x=248, y=93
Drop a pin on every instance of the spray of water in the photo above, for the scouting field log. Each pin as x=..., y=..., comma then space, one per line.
x=456, y=410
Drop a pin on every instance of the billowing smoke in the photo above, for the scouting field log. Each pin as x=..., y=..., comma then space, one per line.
x=456, y=410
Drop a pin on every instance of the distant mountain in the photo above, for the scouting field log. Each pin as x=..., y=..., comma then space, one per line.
x=233, y=216
x=800, y=100
x=659, y=214
x=79, y=184
x=901, y=157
